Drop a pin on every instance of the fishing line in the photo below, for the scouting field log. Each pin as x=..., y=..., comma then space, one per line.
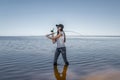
x=67, y=31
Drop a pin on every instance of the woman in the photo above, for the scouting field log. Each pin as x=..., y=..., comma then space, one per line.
x=60, y=38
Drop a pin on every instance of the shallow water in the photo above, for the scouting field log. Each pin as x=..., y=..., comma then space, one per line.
x=31, y=58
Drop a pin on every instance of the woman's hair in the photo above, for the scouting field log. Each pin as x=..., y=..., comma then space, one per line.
x=60, y=30
x=64, y=36
x=63, y=33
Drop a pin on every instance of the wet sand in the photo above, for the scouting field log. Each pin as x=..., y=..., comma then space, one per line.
x=109, y=74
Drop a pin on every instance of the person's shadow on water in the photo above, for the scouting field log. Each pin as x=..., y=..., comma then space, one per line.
x=58, y=75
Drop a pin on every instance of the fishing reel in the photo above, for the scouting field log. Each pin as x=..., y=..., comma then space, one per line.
x=52, y=30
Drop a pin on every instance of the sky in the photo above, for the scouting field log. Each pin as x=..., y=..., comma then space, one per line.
x=38, y=17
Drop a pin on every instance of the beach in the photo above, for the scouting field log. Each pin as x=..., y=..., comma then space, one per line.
x=31, y=58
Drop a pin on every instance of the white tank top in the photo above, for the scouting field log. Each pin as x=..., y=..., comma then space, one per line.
x=60, y=41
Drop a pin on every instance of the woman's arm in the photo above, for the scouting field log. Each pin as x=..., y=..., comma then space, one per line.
x=56, y=37
x=51, y=37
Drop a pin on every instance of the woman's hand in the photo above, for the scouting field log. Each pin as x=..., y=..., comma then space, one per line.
x=52, y=38
x=47, y=35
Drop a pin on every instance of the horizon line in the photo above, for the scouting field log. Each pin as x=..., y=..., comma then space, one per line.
x=67, y=35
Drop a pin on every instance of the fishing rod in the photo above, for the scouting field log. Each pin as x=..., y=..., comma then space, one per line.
x=74, y=32
x=52, y=32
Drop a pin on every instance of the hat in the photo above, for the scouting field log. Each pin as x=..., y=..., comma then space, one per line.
x=60, y=25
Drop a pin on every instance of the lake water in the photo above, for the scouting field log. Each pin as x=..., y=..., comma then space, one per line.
x=31, y=58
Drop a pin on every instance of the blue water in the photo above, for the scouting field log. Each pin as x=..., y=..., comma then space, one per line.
x=31, y=58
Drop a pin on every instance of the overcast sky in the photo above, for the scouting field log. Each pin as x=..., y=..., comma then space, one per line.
x=37, y=17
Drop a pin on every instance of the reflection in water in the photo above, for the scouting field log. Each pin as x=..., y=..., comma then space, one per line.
x=110, y=74
x=58, y=75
